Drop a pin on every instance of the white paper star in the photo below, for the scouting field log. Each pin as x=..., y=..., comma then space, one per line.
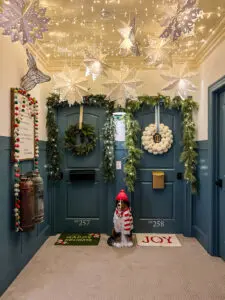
x=70, y=86
x=158, y=53
x=95, y=65
x=128, y=33
x=180, y=82
x=123, y=86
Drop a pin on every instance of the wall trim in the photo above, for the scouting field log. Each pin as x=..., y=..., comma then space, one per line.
x=213, y=91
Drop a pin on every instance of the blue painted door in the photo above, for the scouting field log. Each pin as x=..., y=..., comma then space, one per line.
x=160, y=210
x=81, y=204
x=221, y=176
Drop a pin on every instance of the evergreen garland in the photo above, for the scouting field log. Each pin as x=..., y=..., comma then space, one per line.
x=53, y=157
x=134, y=153
x=108, y=136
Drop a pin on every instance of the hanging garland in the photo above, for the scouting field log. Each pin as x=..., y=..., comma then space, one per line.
x=109, y=149
x=53, y=157
x=189, y=154
x=29, y=105
x=80, y=141
x=134, y=153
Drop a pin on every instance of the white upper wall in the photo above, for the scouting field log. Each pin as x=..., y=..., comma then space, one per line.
x=211, y=70
x=13, y=66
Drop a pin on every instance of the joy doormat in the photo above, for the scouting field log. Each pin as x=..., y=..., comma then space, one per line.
x=157, y=240
x=78, y=239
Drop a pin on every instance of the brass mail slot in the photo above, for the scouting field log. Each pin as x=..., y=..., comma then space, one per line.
x=158, y=180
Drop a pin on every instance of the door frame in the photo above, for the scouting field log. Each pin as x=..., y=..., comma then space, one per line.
x=213, y=103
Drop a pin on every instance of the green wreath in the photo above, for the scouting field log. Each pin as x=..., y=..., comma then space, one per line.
x=80, y=141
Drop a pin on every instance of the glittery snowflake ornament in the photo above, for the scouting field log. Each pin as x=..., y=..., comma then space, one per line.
x=23, y=20
x=123, y=86
x=180, y=82
x=70, y=85
x=95, y=65
x=180, y=19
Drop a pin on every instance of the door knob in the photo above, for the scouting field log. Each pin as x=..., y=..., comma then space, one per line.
x=219, y=183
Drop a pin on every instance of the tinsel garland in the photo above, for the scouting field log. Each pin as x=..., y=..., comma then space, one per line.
x=134, y=153
x=108, y=136
x=187, y=107
x=31, y=105
x=53, y=157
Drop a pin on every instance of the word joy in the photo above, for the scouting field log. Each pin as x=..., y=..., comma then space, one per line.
x=157, y=239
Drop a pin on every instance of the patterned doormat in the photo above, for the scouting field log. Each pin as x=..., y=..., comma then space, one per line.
x=78, y=239
x=157, y=240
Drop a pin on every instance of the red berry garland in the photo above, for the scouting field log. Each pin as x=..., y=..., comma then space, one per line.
x=18, y=112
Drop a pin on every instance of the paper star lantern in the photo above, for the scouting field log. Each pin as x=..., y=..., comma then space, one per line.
x=180, y=82
x=95, y=65
x=70, y=86
x=128, y=33
x=23, y=20
x=180, y=19
x=123, y=86
x=33, y=76
x=158, y=53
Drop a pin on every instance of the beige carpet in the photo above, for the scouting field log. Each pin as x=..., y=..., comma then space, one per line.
x=104, y=273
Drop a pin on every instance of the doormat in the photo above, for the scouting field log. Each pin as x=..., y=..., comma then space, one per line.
x=157, y=240
x=78, y=239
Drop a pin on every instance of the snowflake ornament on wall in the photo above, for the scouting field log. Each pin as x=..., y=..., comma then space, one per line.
x=23, y=20
x=123, y=86
x=70, y=86
x=180, y=82
x=180, y=19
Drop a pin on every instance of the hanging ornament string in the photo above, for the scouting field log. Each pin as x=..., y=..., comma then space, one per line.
x=81, y=117
x=23, y=105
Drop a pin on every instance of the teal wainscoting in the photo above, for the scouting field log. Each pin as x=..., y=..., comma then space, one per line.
x=201, y=201
x=16, y=249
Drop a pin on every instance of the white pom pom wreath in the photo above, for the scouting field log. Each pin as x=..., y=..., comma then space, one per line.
x=157, y=148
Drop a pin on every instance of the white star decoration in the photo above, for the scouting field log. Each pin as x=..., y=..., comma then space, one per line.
x=128, y=33
x=158, y=53
x=180, y=82
x=70, y=86
x=123, y=86
x=95, y=65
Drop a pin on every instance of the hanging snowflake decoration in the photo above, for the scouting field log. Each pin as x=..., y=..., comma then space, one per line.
x=180, y=82
x=95, y=65
x=23, y=20
x=180, y=19
x=129, y=43
x=158, y=53
x=123, y=86
x=70, y=86
x=34, y=76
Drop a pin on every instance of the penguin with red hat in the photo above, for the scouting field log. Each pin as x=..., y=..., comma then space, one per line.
x=123, y=223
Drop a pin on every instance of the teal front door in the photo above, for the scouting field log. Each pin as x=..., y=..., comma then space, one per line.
x=160, y=210
x=221, y=175
x=81, y=199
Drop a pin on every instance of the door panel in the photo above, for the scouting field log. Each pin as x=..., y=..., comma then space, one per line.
x=160, y=210
x=81, y=205
x=221, y=169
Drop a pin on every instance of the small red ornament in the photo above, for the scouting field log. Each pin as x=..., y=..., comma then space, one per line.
x=17, y=175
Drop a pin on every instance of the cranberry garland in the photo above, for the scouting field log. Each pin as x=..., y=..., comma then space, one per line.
x=31, y=105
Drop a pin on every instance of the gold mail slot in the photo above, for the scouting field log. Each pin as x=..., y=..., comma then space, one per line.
x=158, y=180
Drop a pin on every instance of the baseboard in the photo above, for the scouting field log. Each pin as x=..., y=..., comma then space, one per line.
x=200, y=236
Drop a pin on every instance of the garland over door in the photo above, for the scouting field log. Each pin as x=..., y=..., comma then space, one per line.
x=160, y=210
x=81, y=203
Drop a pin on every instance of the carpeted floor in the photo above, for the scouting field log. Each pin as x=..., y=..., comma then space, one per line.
x=104, y=273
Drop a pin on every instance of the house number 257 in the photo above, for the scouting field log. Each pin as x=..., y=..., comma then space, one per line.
x=82, y=223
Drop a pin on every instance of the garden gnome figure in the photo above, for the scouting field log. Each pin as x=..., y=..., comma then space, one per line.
x=123, y=223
